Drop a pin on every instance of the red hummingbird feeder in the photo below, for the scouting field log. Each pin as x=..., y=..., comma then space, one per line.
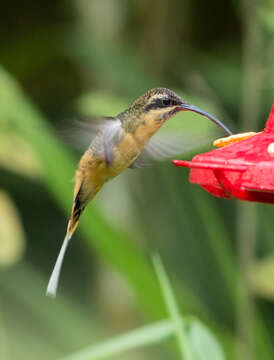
x=241, y=170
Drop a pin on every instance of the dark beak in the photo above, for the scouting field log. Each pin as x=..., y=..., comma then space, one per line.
x=206, y=114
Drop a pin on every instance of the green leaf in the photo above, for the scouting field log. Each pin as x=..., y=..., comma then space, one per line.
x=203, y=343
x=137, y=338
x=179, y=324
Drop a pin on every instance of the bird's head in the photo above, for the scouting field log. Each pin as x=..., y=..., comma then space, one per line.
x=162, y=103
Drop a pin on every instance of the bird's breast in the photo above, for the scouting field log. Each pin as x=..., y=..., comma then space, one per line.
x=131, y=144
x=124, y=153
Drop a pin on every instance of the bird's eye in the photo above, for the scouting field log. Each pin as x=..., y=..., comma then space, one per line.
x=160, y=103
x=166, y=102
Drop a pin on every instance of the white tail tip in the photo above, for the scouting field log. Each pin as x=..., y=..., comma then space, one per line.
x=54, y=278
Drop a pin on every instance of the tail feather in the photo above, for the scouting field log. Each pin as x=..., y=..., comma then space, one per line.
x=79, y=205
x=54, y=278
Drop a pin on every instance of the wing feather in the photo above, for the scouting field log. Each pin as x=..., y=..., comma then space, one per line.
x=82, y=132
x=165, y=146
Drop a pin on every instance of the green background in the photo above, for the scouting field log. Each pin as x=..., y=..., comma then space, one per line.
x=66, y=60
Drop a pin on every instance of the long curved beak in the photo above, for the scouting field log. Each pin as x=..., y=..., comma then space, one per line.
x=206, y=114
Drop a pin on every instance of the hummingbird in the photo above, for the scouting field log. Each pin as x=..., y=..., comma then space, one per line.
x=124, y=141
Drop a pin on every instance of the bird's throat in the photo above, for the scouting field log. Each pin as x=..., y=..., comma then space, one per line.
x=145, y=129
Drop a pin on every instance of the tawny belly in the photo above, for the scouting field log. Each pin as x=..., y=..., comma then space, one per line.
x=124, y=155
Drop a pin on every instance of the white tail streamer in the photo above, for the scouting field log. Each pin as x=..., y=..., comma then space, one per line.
x=54, y=278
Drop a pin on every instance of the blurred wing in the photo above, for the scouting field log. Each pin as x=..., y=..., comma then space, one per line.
x=164, y=146
x=82, y=132
x=111, y=133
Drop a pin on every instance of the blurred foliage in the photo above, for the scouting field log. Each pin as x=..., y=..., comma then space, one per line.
x=12, y=233
x=71, y=59
x=194, y=339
